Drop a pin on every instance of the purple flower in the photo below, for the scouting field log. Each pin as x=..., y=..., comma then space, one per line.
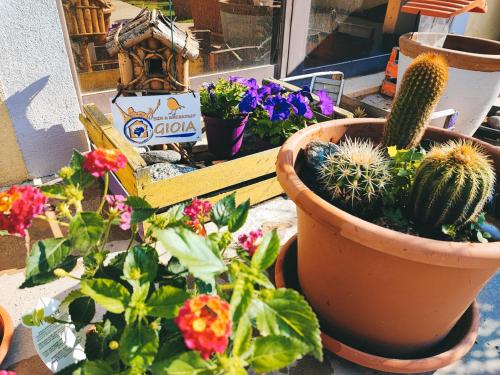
x=249, y=101
x=306, y=91
x=210, y=89
x=277, y=107
x=300, y=105
x=251, y=83
x=325, y=103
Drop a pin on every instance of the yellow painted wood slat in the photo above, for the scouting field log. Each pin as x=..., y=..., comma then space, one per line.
x=126, y=175
x=99, y=120
x=209, y=179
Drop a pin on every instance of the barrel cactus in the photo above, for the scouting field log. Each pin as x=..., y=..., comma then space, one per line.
x=451, y=185
x=423, y=84
x=355, y=175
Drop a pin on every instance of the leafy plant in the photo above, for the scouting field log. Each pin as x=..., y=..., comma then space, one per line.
x=205, y=310
x=221, y=100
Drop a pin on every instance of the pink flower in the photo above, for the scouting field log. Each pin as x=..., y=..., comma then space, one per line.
x=205, y=324
x=251, y=241
x=19, y=205
x=117, y=206
x=101, y=161
x=198, y=209
x=5, y=372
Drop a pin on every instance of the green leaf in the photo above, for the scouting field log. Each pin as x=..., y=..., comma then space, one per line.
x=82, y=310
x=46, y=256
x=85, y=231
x=138, y=346
x=81, y=177
x=267, y=252
x=97, y=368
x=272, y=353
x=240, y=299
x=284, y=312
x=141, y=264
x=223, y=209
x=193, y=251
x=142, y=210
x=109, y=294
x=166, y=301
x=253, y=275
x=187, y=363
x=238, y=217
x=174, y=214
x=53, y=191
x=242, y=337
x=46, y=277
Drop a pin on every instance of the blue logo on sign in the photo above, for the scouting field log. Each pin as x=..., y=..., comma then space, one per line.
x=138, y=130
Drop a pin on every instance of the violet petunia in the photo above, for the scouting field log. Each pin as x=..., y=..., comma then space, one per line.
x=325, y=103
x=277, y=107
x=300, y=105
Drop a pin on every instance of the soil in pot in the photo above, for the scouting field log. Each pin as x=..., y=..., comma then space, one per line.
x=399, y=294
x=457, y=344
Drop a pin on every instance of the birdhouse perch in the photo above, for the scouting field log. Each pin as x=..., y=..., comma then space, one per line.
x=153, y=54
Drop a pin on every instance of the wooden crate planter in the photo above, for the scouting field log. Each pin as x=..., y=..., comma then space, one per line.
x=251, y=177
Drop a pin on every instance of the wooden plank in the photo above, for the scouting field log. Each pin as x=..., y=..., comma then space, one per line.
x=391, y=16
x=206, y=180
x=99, y=120
x=126, y=175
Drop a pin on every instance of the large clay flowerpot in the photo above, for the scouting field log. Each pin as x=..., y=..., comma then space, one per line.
x=474, y=75
x=376, y=289
x=6, y=333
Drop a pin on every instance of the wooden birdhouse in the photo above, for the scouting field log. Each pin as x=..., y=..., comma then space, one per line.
x=88, y=22
x=153, y=54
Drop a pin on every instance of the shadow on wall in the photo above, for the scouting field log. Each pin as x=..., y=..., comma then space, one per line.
x=47, y=149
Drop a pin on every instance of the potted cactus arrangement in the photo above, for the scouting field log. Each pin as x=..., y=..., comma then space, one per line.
x=393, y=245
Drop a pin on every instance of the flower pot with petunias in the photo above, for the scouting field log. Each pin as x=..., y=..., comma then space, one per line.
x=224, y=123
x=176, y=302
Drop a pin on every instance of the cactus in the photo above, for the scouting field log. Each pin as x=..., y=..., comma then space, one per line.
x=423, y=84
x=356, y=174
x=451, y=185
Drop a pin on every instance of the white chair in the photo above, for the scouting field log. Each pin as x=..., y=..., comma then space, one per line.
x=331, y=82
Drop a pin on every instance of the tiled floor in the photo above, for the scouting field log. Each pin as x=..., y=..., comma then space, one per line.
x=278, y=213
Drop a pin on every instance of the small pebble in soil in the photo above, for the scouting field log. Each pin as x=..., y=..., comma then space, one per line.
x=163, y=171
x=141, y=150
x=161, y=156
x=494, y=122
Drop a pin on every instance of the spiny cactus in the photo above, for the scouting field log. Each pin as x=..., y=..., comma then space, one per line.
x=356, y=174
x=423, y=84
x=451, y=185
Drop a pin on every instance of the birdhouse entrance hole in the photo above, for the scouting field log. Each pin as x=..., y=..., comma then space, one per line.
x=154, y=67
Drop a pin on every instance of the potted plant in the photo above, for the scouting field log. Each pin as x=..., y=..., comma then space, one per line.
x=474, y=74
x=391, y=247
x=224, y=123
x=275, y=114
x=206, y=309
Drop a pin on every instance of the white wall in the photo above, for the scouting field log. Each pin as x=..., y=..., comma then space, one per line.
x=38, y=86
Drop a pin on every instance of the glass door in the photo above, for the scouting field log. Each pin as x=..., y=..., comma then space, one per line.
x=354, y=36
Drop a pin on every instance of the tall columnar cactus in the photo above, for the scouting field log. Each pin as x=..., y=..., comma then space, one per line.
x=356, y=174
x=423, y=84
x=451, y=185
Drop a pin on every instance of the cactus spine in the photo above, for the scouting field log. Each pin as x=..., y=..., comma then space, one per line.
x=423, y=84
x=451, y=185
x=356, y=174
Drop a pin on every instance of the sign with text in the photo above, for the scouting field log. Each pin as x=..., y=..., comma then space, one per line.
x=158, y=119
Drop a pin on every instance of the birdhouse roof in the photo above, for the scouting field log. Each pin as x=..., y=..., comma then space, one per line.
x=151, y=24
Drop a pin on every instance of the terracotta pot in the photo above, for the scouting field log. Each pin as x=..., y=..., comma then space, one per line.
x=6, y=333
x=473, y=75
x=389, y=293
x=456, y=345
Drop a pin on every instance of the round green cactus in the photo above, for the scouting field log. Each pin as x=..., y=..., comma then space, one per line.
x=451, y=185
x=423, y=84
x=356, y=174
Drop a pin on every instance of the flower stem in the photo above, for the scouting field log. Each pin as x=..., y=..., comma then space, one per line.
x=106, y=186
x=132, y=237
x=106, y=234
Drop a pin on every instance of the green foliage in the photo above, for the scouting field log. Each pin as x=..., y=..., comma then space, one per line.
x=276, y=132
x=356, y=175
x=423, y=84
x=451, y=186
x=85, y=231
x=142, y=210
x=222, y=99
x=271, y=353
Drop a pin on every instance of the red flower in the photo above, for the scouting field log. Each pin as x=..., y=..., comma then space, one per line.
x=205, y=324
x=100, y=161
x=18, y=206
x=251, y=241
x=198, y=209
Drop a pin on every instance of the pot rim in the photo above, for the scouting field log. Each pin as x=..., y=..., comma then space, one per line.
x=481, y=62
x=419, y=249
x=8, y=333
